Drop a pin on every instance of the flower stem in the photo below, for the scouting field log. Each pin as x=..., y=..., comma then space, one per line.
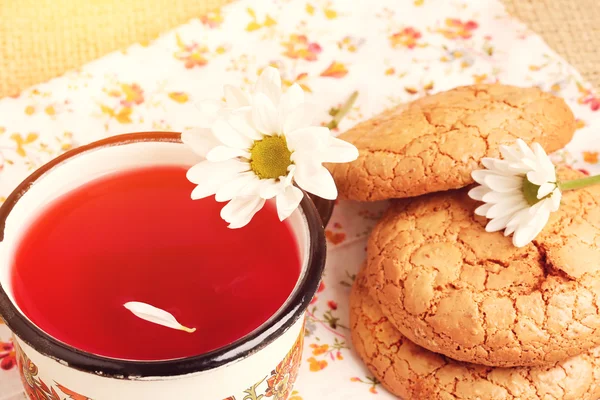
x=341, y=113
x=579, y=183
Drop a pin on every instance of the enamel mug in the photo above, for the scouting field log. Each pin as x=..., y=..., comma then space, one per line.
x=264, y=364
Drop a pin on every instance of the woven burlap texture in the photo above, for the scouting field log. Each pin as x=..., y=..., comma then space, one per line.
x=571, y=27
x=42, y=39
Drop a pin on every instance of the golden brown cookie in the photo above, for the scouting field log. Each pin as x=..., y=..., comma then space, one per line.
x=455, y=289
x=413, y=373
x=433, y=143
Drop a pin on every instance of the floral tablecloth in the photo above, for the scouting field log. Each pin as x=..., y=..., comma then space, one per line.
x=390, y=51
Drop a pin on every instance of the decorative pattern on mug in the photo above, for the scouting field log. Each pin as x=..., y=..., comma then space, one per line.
x=277, y=386
x=281, y=381
x=35, y=387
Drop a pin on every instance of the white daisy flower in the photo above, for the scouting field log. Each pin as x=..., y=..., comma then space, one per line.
x=258, y=145
x=519, y=191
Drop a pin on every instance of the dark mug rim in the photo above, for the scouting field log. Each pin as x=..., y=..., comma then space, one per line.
x=123, y=369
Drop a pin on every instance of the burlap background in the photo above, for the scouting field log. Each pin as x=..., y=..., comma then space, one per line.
x=571, y=27
x=41, y=39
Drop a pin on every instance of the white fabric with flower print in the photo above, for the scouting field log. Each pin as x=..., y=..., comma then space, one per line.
x=390, y=51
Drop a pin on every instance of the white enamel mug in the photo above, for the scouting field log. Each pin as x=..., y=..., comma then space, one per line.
x=263, y=363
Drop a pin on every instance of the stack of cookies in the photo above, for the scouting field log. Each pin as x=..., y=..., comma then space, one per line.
x=445, y=310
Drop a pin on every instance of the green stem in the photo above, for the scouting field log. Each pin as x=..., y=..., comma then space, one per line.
x=579, y=183
x=341, y=113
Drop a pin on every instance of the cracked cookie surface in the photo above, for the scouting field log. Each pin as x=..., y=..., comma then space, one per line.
x=433, y=143
x=414, y=373
x=453, y=288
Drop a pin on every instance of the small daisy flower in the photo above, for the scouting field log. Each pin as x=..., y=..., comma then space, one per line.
x=520, y=191
x=258, y=145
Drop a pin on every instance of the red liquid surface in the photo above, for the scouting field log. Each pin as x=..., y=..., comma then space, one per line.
x=137, y=236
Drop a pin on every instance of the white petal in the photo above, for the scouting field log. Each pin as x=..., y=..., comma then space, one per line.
x=517, y=219
x=479, y=175
x=209, y=176
x=270, y=188
x=229, y=136
x=222, y=153
x=489, y=163
x=478, y=192
x=542, y=173
x=501, y=167
x=241, y=121
x=530, y=164
x=269, y=83
x=292, y=99
x=518, y=168
x=510, y=154
x=239, y=211
x=483, y=209
x=545, y=190
x=290, y=176
x=313, y=138
x=201, y=140
x=155, y=315
x=497, y=197
x=221, y=171
x=292, y=111
x=235, y=187
x=264, y=115
x=338, y=151
x=235, y=97
x=497, y=224
x=556, y=198
x=538, y=176
x=288, y=201
x=295, y=119
x=506, y=168
x=544, y=162
x=205, y=190
x=507, y=208
x=526, y=152
x=307, y=161
x=521, y=237
x=510, y=229
x=210, y=110
x=504, y=184
x=252, y=188
x=524, y=234
x=309, y=112
x=317, y=181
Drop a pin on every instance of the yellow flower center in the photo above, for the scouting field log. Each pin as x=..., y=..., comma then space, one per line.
x=270, y=157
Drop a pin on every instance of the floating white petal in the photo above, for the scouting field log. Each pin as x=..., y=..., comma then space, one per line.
x=156, y=316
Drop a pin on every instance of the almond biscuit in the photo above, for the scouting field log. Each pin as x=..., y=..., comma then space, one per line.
x=414, y=373
x=433, y=143
x=453, y=288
